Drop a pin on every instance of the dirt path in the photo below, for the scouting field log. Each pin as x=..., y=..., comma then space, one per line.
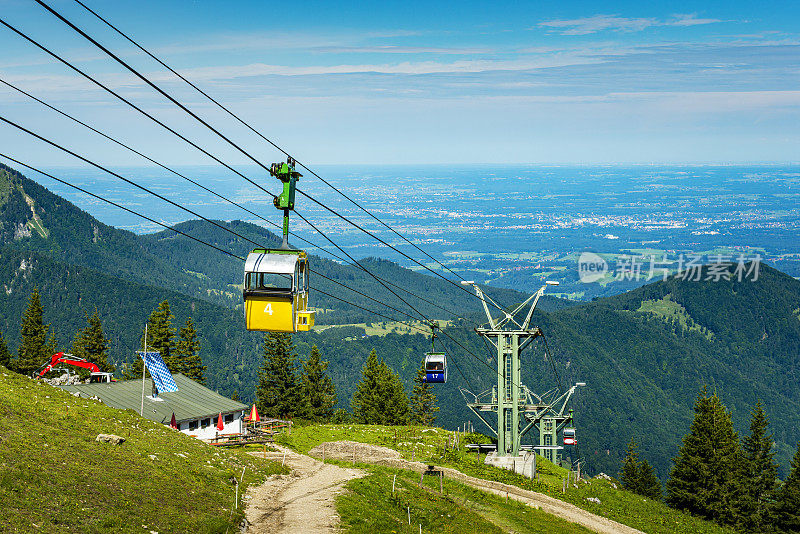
x=347, y=450
x=300, y=502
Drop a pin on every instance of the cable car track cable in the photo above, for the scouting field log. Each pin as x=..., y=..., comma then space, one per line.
x=323, y=234
x=172, y=228
x=248, y=126
x=126, y=180
x=131, y=104
x=131, y=182
x=244, y=152
x=419, y=329
x=148, y=115
x=232, y=202
x=121, y=206
x=317, y=273
x=148, y=82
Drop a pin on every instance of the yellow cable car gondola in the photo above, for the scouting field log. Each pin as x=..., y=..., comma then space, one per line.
x=276, y=280
x=276, y=291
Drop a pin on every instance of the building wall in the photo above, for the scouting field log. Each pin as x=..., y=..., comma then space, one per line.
x=210, y=431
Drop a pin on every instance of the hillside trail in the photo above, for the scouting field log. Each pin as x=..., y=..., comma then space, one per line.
x=361, y=452
x=303, y=501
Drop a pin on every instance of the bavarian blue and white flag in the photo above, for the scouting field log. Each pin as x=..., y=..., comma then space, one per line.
x=159, y=372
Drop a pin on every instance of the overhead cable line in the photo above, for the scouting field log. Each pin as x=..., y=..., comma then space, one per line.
x=552, y=363
x=157, y=121
x=334, y=212
x=202, y=242
x=131, y=104
x=131, y=182
x=233, y=144
x=126, y=180
x=148, y=82
x=362, y=294
x=232, y=202
x=59, y=180
x=418, y=328
x=259, y=134
x=323, y=234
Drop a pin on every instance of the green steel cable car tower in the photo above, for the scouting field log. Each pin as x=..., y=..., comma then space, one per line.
x=510, y=399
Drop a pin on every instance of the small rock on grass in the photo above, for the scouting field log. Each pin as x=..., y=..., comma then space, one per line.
x=110, y=438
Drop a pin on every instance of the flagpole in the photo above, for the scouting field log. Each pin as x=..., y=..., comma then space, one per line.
x=141, y=412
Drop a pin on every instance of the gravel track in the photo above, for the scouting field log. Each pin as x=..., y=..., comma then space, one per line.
x=303, y=501
x=347, y=450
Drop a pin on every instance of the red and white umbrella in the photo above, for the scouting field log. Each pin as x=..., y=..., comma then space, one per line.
x=220, y=425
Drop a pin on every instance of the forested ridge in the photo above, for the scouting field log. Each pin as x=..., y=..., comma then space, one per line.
x=644, y=354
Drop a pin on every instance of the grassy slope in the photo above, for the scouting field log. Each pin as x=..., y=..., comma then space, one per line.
x=370, y=506
x=633, y=510
x=54, y=476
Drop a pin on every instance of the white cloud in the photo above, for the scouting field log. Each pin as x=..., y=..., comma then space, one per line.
x=689, y=20
x=393, y=49
x=406, y=67
x=598, y=23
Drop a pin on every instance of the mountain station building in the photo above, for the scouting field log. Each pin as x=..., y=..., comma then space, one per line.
x=196, y=407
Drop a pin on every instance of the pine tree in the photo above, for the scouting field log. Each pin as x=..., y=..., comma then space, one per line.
x=235, y=395
x=279, y=390
x=629, y=475
x=380, y=398
x=649, y=485
x=160, y=333
x=422, y=401
x=759, y=475
x=90, y=343
x=703, y=479
x=787, y=509
x=318, y=388
x=5, y=355
x=365, y=397
x=186, y=358
x=35, y=348
x=638, y=476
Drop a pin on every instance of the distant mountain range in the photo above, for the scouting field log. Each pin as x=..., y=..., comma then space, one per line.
x=644, y=354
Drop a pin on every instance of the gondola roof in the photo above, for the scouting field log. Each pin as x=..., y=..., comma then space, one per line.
x=271, y=262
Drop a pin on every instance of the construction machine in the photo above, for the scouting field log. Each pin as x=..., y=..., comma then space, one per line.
x=60, y=358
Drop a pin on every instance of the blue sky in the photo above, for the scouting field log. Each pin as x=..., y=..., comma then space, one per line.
x=420, y=82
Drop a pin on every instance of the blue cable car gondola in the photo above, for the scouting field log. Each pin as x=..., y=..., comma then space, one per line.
x=435, y=362
x=436, y=368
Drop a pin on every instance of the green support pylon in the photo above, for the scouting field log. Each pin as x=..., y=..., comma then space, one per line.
x=509, y=388
x=511, y=400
